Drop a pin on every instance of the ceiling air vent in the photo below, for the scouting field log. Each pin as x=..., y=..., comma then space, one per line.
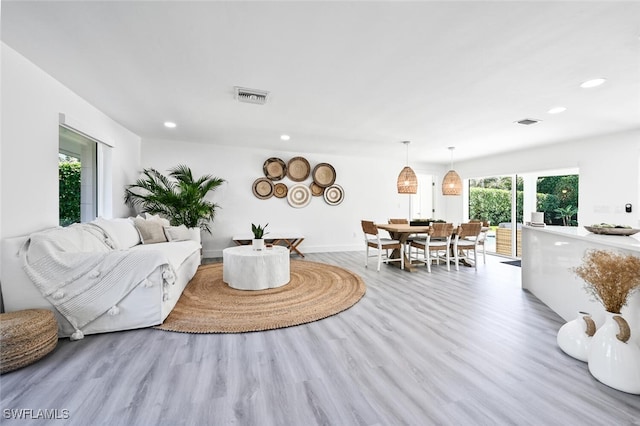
x=527, y=121
x=251, y=96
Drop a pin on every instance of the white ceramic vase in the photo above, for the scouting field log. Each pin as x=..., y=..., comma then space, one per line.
x=574, y=338
x=258, y=244
x=614, y=355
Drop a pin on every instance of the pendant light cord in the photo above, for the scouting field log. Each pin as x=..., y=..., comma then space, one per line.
x=407, y=143
x=451, y=148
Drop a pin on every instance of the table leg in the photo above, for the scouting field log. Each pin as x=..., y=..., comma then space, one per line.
x=396, y=253
x=293, y=245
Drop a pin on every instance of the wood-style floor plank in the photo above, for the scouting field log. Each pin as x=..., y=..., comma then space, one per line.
x=446, y=348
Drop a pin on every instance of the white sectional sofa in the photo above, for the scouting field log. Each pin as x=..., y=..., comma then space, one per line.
x=104, y=276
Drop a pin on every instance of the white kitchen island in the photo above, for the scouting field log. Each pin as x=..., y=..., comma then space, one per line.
x=549, y=253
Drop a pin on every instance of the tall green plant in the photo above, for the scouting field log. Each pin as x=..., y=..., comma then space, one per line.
x=178, y=197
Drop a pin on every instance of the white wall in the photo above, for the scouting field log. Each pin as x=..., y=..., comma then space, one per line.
x=370, y=192
x=31, y=103
x=608, y=167
x=369, y=186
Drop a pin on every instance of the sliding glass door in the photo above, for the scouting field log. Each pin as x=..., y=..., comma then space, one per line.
x=498, y=200
x=503, y=201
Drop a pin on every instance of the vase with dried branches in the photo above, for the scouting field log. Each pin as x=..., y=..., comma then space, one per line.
x=614, y=353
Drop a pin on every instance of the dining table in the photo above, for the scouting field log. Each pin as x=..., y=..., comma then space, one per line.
x=402, y=232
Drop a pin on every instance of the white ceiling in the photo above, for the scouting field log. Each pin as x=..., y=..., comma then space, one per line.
x=352, y=77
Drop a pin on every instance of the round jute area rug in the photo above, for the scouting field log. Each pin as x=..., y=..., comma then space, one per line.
x=316, y=291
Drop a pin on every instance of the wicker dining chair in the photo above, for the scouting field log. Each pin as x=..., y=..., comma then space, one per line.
x=435, y=245
x=482, y=238
x=466, y=242
x=372, y=239
x=399, y=221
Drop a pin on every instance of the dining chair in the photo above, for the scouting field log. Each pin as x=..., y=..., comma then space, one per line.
x=482, y=238
x=372, y=239
x=436, y=243
x=399, y=221
x=465, y=242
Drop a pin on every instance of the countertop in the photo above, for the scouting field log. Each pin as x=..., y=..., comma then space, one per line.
x=631, y=242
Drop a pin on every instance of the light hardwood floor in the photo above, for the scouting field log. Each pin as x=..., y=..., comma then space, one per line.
x=449, y=348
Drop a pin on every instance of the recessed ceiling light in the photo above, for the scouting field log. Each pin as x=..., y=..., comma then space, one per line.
x=285, y=137
x=169, y=124
x=557, y=110
x=593, y=83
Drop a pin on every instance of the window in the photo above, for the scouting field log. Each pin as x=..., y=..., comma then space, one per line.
x=77, y=174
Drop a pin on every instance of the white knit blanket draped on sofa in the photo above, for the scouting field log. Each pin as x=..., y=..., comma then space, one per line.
x=80, y=274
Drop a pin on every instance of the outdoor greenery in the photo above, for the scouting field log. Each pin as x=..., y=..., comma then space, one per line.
x=493, y=205
x=561, y=203
x=178, y=197
x=69, y=190
x=557, y=196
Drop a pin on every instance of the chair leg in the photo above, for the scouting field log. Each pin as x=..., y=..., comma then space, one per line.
x=379, y=258
x=475, y=258
x=427, y=258
x=457, y=257
x=484, y=255
x=448, y=260
x=402, y=257
x=366, y=257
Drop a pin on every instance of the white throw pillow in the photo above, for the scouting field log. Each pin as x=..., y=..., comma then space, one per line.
x=120, y=230
x=151, y=231
x=165, y=222
x=177, y=233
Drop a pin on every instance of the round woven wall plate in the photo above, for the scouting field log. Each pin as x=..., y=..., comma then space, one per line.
x=299, y=196
x=316, y=190
x=334, y=195
x=263, y=188
x=274, y=168
x=298, y=169
x=324, y=175
x=280, y=190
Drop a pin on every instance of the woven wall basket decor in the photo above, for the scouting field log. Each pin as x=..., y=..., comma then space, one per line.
x=333, y=195
x=280, y=190
x=299, y=196
x=263, y=188
x=274, y=168
x=316, y=190
x=298, y=169
x=324, y=175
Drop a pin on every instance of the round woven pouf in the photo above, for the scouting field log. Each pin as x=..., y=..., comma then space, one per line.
x=25, y=337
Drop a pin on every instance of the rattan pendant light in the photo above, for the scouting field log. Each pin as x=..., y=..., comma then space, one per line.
x=451, y=183
x=407, y=179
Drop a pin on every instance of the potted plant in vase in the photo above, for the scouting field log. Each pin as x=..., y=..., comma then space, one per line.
x=258, y=233
x=614, y=354
x=178, y=197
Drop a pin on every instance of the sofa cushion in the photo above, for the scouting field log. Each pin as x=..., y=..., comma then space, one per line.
x=165, y=222
x=151, y=230
x=121, y=231
x=181, y=233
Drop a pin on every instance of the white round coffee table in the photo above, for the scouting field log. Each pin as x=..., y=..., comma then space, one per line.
x=244, y=268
